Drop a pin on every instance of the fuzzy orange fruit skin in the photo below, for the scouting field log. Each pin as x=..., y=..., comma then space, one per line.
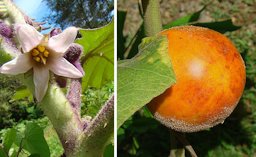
x=210, y=79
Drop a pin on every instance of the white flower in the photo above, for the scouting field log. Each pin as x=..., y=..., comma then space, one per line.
x=42, y=54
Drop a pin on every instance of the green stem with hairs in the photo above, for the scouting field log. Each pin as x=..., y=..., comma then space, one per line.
x=16, y=16
x=152, y=17
x=67, y=124
x=62, y=115
x=99, y=132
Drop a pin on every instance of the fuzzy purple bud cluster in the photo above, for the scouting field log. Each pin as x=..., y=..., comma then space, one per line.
x=5, y=30
x=7, y=41
x=55, y=31
x=73, y=54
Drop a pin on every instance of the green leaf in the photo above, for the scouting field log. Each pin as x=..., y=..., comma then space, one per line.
x=147, y=113
x=109, y=151
x=143, y=77
x=9, y=139
x=8, y=50
x=34, y=140
x=21, y=93
x=185, y=19
x=98, y=59
x=5, y=51
x=14, y=153
x=4, y=57
x=220, y=26
x=34, y=155
x=120, y=132
x=2, y=152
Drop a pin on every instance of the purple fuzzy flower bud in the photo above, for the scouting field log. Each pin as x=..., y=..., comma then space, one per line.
x=5, y=30
x=55, y=31
x=73, y=53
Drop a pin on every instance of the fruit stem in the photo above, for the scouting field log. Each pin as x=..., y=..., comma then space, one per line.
x=152, y=17
x=180, y=151
x=175, y=150
x=99, y=133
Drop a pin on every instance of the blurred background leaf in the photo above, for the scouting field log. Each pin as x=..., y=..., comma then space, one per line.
x=34, y=140
x=220, y=26
x=109, y=151
x=21, y=93
x=8, y=139
x=185, y=19
x=25, y=138
x=4, y=57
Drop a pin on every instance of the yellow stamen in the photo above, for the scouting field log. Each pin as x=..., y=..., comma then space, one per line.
x=35, y=52
x=37, y=59
x=41, y=48
x=40, y=54
x=46, y=53
x=43, y=60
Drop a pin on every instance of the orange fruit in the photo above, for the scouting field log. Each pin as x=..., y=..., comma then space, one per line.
x=210, y=78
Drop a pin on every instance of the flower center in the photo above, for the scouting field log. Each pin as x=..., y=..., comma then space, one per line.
x=40, y=54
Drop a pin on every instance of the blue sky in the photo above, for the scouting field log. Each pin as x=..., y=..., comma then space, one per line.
x=36, y=9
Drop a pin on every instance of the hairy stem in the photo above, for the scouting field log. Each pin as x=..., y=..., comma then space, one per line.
x=65, y=121
x=152, y=17
x=15, y=14
x=74, y=95
x=99, y=132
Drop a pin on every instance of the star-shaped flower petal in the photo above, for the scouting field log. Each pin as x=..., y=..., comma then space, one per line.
x=42, y=55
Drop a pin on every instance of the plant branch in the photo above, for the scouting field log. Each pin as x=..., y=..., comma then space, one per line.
x=175, y=151
x=15, y=14
x=20, y=148
x=74, y=95
x=152, y=17
x=63, y=117
x=100, y=131
x=181, y=137
x=2, y=148
x=180, y=152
